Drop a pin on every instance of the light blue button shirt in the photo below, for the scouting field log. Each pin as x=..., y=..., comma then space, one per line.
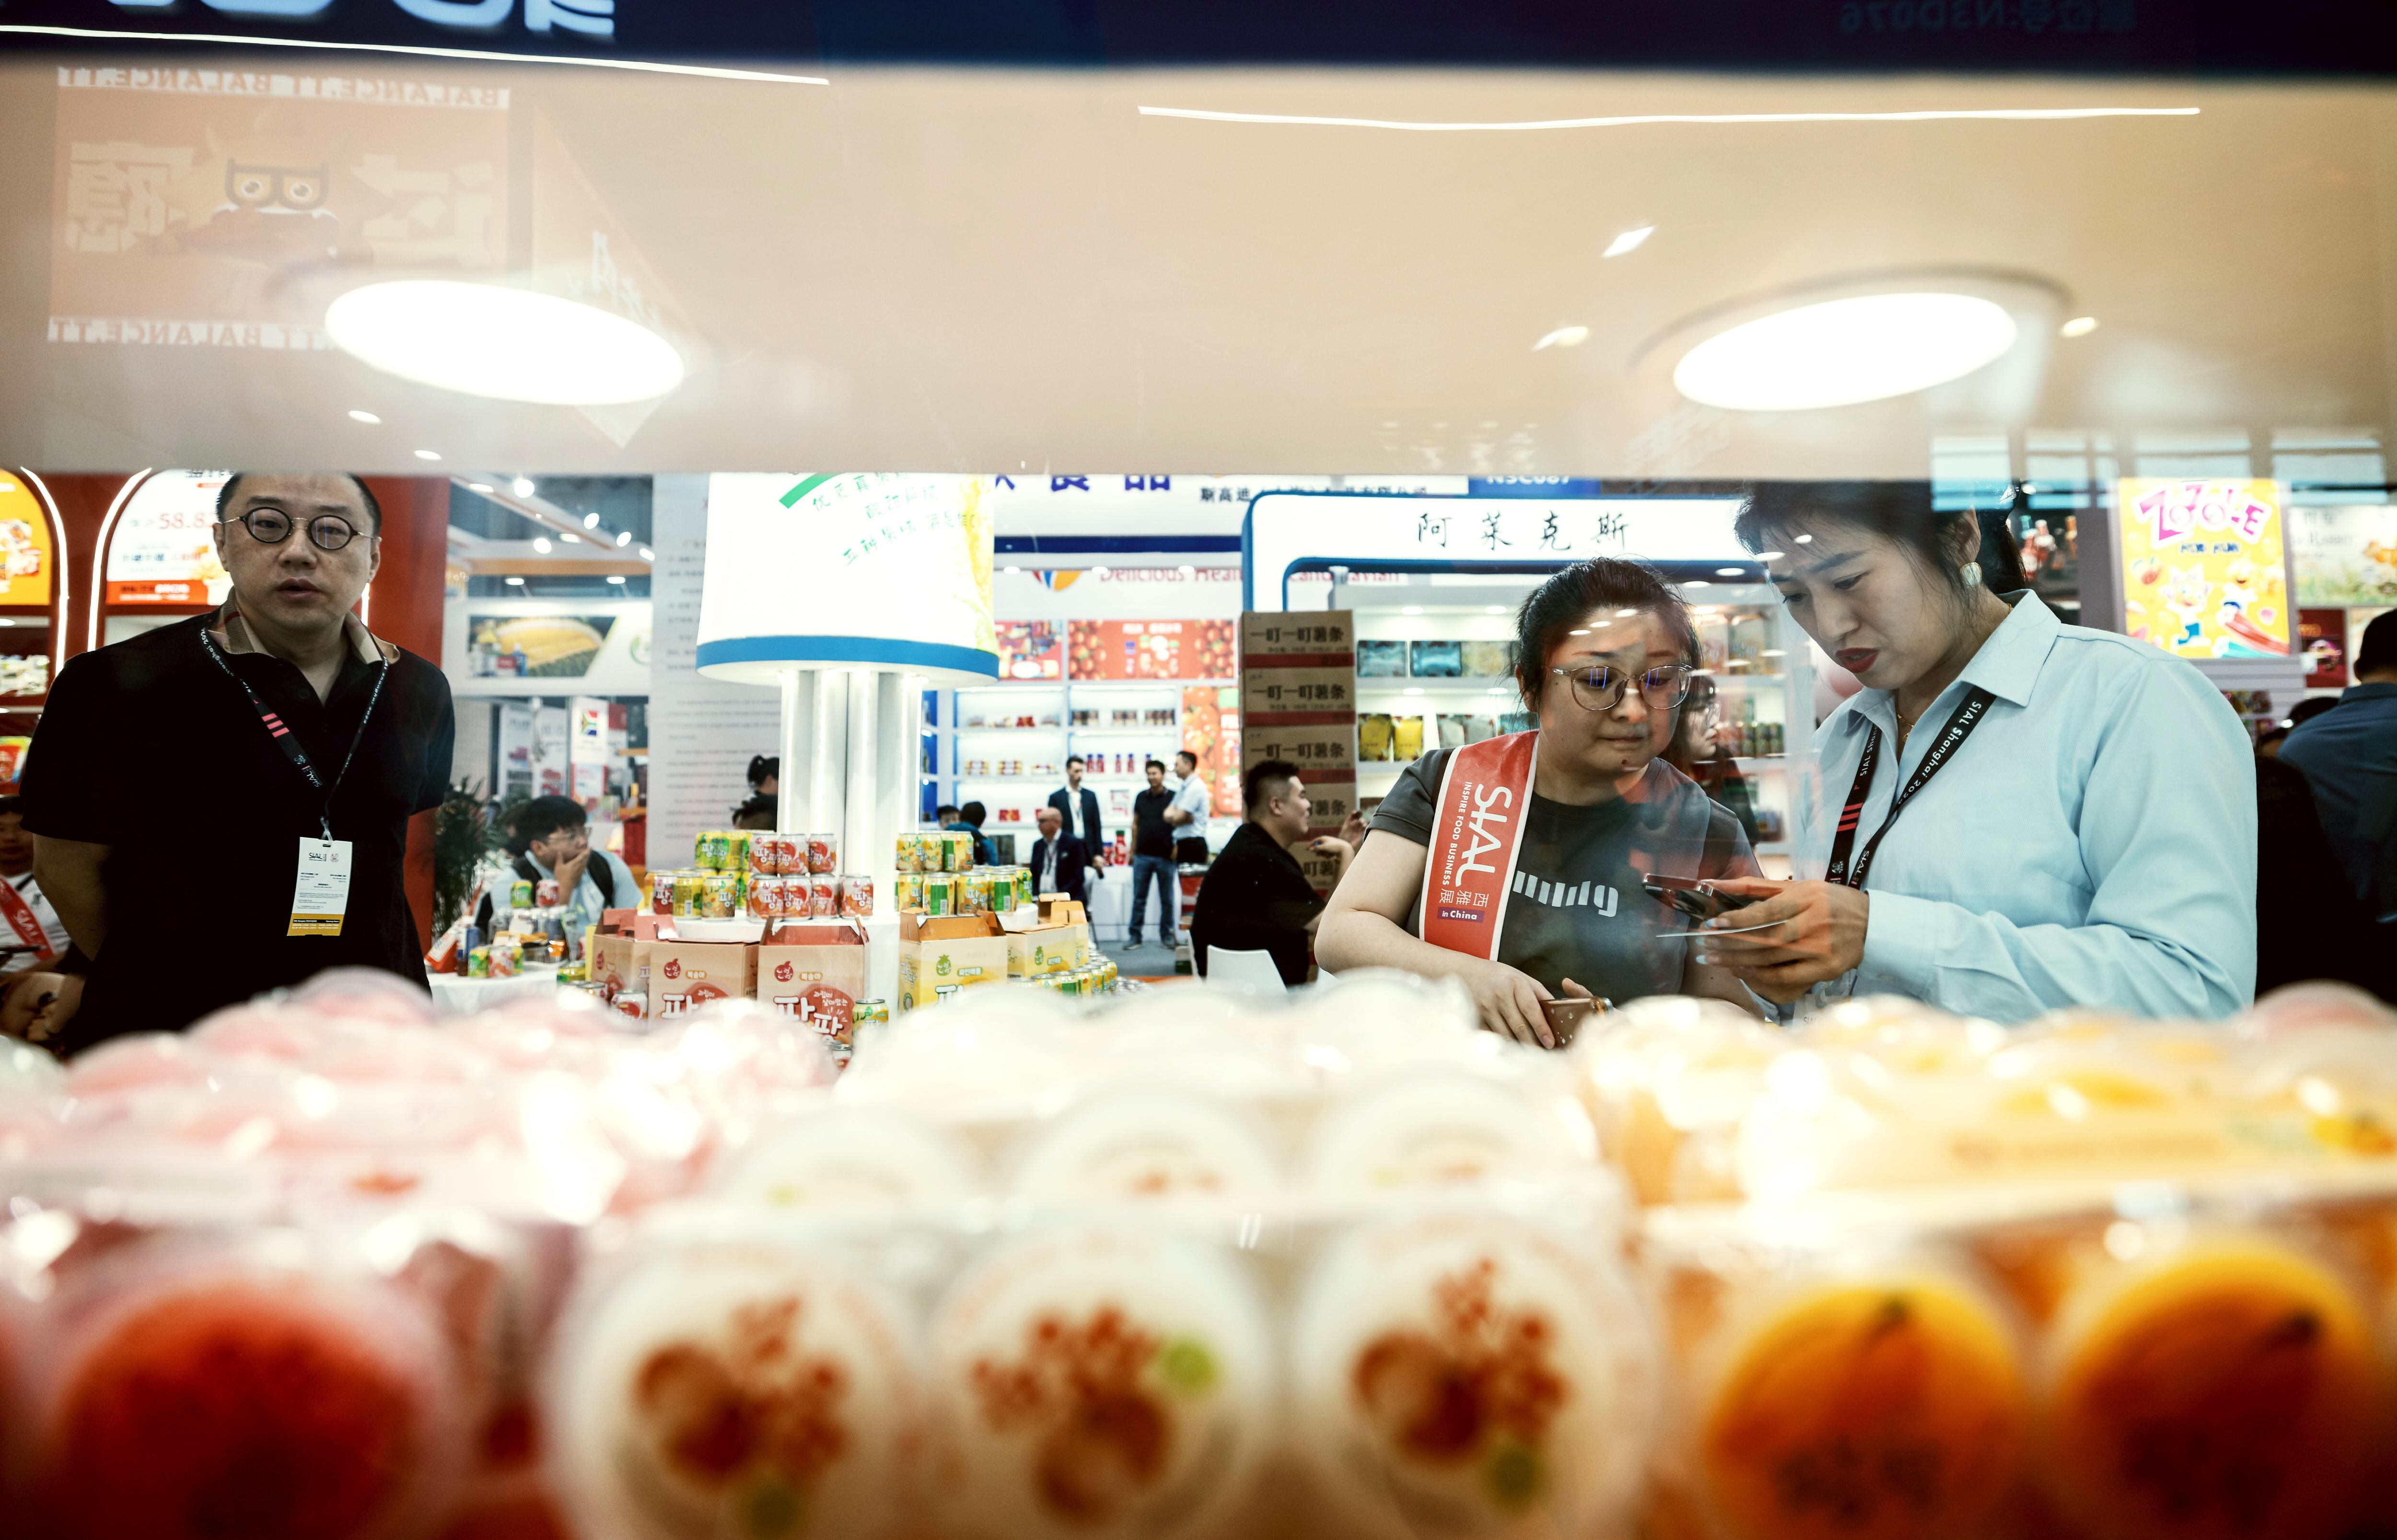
x=2091, y=843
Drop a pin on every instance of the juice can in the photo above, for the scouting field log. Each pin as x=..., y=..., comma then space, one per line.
x=661, y=891
x=689, y=892
x=977, y=884
x=823, y=854
x=719, y=896
x=939, y=892
x=907, y=892
x=765, y=892
x=479, y=963
x=1022, y=886
x=903, y=856
x=789, y=855
x=761, y=855
x=857, y=895
x=707, y=851
x=736, y=850
x=545, y=894
x=824, y=897
x=520, y=895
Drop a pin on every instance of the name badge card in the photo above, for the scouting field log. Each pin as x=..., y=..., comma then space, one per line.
x=322, y=895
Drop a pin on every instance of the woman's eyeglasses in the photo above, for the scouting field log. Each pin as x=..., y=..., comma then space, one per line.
x=1599, y=687
x=273, y=526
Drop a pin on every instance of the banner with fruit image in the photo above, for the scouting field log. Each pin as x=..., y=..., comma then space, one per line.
x=2204, y=571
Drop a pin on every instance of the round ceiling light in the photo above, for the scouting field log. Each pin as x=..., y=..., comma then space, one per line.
x=509, y=343
x=1837, y=352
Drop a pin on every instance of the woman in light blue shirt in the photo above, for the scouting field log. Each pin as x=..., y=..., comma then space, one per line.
x=2075, y=811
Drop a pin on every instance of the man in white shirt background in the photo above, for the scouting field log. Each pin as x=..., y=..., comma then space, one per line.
x=1192, y=804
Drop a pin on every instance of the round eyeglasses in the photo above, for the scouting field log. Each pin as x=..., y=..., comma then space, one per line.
x=273, y=526
x=1599, y=687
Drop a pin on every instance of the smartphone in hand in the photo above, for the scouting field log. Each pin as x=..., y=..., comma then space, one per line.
x=1697, y=899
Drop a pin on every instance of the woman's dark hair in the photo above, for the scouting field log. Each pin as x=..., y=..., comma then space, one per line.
x=543, y=817
x=973, y=814
x=1602, y=582
x=763, y=765
x=1897, y=510
x=745, y=816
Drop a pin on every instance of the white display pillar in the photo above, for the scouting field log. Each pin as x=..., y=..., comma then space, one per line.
x=849, y=594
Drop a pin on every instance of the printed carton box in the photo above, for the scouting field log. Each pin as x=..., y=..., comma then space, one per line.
x=814, y=973
x=684, y=975
x=942, y=953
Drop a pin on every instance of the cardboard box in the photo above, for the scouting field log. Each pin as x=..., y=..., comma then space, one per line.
x=1056, y=940
x=815, y=975
x=942, y=953
x=684, y=975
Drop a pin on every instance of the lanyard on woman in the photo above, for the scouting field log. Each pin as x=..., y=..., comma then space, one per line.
x=1951, y=737
x=281, y=731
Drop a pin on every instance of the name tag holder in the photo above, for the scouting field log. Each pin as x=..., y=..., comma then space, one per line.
x=320, y=890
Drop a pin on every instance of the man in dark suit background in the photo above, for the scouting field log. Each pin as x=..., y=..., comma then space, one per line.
x=1078, y=806
x=1058, y=859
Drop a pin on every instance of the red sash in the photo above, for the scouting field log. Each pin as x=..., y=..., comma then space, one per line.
x=19, y=916
x=1478, y=828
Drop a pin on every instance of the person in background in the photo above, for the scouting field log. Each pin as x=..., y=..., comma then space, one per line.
x=1078, y=805
x=2309, y=922
x=1696, y=752
x=2014, y=815
x=1257, y=898
x=36, y=1004
x=765, y=776
x=550, y=838
x=34, y=934
x=286, y=723
x=2348, y=756
x=758, y=813
x=1059, y=860
x=968, y=819
x=944, y=815
x=1192, y=804
x=1519, y=865
x=1152, y=859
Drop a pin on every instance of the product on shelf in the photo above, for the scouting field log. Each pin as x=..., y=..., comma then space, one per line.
x=739, y=1389
x=1148, y=1144
x=1887, y=1405
x=1436, y=660
x=1380, y=660
x=1476, y=1367
x=1100, y=1381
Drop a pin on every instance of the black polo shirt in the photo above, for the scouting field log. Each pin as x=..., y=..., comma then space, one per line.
x=1255, y=898
x=149, y=748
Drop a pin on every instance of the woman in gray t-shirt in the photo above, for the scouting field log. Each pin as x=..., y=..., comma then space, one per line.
x=1603, y=659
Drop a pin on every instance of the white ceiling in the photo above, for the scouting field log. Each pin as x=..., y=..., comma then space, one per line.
x=983, y=270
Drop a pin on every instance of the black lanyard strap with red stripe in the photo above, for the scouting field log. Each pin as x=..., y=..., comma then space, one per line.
x=1951, y=738
x=280, y=730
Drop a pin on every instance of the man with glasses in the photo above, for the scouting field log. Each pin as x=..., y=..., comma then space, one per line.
x=293, y=746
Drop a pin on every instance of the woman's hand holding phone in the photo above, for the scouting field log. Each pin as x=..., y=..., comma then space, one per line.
x=1508, y=1002
x=1817, y=933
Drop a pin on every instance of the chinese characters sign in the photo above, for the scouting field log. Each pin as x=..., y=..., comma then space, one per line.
x=185, y=203
x=2203, y=573
x=1288, y=533
x=1298, y=703
x=163, y=550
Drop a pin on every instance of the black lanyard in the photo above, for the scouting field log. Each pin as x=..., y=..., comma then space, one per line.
x=1951, y=738
x=280, y=730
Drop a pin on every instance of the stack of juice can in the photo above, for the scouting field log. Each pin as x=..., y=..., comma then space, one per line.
x=763, y=876
x=938, y=889
x=1095, y=978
